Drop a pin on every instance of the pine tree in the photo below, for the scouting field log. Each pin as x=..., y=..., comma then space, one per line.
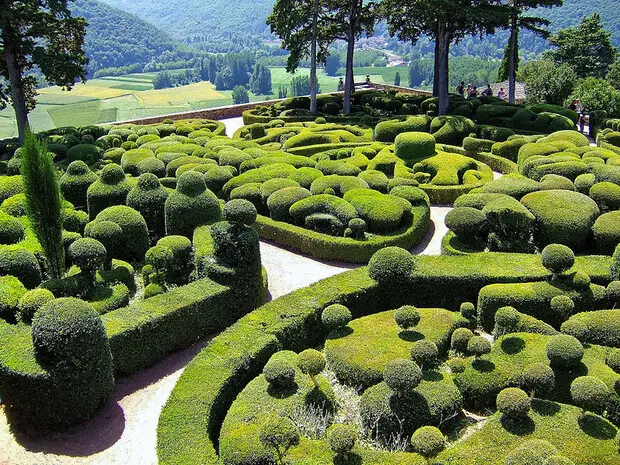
x=397, y=79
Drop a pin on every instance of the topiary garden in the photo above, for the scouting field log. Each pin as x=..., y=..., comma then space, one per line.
x=503, y=350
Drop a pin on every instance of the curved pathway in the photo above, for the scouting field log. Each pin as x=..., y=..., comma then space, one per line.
x=123, y=431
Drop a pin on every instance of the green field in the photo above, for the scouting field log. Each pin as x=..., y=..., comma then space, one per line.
x=118, y=98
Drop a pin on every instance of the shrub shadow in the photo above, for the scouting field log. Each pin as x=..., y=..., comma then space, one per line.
x=483, y=365
x=340, y=333
x=545, y=408
x=512, y=345
x=282, y=392
x=596, y=427
x=352, y=458
x=410, y=335
x=520, y=427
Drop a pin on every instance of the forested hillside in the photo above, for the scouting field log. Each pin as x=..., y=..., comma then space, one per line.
x=215, y=25
x=116, y=39
x=222, y=26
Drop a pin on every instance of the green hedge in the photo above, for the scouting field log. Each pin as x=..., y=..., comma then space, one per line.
x=597, y=327
x=344, y=248
x=189, y=425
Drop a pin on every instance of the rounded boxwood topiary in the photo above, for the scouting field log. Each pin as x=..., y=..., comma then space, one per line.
x=562, y=306
x=11, y=230
x=428, y=441
x=581, y=281
x=467, y=223
x=460, y=339
x=182, y=263
x=391, y=266
x=402, y=376
x=70, y=342
x=153, y=289
x=190, y=205
x=279, y=373
x=11, y=291
x=279, y=434
x=478, y=346
x=589, y=393
x=75, y=182
x=160, y=258
x=31, y=302
x=240, y=211
x=456, y=365
x=135, y=238
x=109, y=234
x=357, y=228
x=613, y=360
x=468, y=311
x=532, y=452
x=280, y=202
x=311, y=362
x=413, y=146
x=564, y=350
x=584, y=182
x=613, y=293
x=335, y=317
x=88, y=254
x=425, y=353
x=513, y=403
x=407, y=317
x=342, y=438
x=74, y=220
x=606, y=231
x=22, y=264
x=537, y=378
x=149, y=198
x=557, y=258
x=506, y=321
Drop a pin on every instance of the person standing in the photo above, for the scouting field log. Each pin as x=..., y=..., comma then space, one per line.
x=468, y=91
x=460, y=89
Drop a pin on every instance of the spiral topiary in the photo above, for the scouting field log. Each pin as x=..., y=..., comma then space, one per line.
x=564, y=350
x=70, y=342
x=425, y=353
x=335, y=317
x=407, y=317
x=513, y=403
x=402, y=376
x=391, y=266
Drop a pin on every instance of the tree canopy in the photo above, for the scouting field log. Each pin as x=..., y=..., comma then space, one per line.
x=587, y=48
x=41, y=34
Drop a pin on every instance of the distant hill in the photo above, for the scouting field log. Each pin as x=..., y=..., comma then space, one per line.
x=215, y=25
x=115, y=38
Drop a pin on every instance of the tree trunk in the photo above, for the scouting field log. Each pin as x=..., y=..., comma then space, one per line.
x=349, y=85
x=443, y=38
x=17, y=90
x=436, y=66
x=512, y=66
x=315, y=17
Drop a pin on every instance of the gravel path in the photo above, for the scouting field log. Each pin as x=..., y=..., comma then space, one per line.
x=124, y=430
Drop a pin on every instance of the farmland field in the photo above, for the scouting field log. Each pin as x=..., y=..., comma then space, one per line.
x=118, y=98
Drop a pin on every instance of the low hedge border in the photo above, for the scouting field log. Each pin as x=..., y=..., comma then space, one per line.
x=343, y=248
x=213, y=379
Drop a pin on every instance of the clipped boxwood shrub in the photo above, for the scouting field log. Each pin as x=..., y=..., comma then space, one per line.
x=391, y=266
x=22, y=264
x=564, y=351
x=413, y=146
x=134, y=241
x=563, y=217
x=596, y=327
x=148, y=198
x=513, y=403
x=75, y=182
x=190, y=205
x=11, y=230
x=31, y=302
x=71, y=345
x=111, y=189
x=386, y=131
x=451, y=129
x=11, y=291
x=606, y=195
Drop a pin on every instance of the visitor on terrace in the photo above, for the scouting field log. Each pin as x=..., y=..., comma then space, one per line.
x=488, y=91
x=501, y=94
x=460, y=89
x=473, y=92
x=468, y=91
